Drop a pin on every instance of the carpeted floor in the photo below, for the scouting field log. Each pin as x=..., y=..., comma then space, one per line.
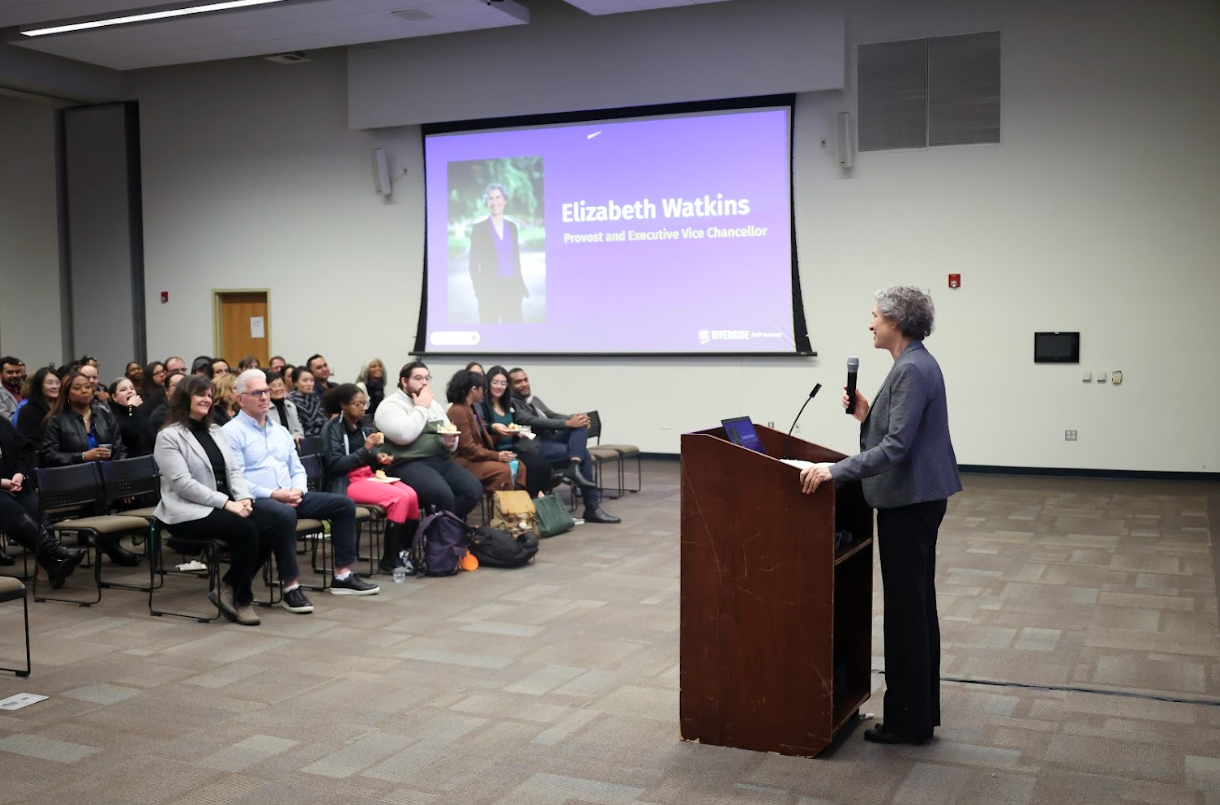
x=558, y=683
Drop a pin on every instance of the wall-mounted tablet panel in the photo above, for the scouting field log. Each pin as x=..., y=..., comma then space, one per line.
x=1056, y=347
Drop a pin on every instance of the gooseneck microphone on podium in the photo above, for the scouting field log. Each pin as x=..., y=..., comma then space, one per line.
x=853, y=366
x=812, y=394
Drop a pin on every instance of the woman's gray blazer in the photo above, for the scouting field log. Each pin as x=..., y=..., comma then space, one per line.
x=906, y=455
x=188, y=485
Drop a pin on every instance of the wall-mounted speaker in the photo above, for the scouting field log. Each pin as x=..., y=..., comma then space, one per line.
x=845, y=147
x=381, y=173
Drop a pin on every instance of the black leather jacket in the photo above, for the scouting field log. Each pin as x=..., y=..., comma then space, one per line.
x=66, y=439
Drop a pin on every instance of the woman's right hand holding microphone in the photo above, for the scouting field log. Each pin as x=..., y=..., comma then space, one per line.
x=861, y=404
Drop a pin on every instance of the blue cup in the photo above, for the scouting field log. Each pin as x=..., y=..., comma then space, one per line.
x=512, y=470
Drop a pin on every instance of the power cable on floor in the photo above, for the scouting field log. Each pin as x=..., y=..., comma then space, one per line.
x=1129, y=694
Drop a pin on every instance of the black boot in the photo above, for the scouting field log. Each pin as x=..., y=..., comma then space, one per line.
x=118, y=554
x=6, y=560
x=397, y=539
x=574, y=475
x=390, y=548
x=53, y=557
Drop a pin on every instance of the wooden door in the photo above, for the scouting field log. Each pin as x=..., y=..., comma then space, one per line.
x=242, y=326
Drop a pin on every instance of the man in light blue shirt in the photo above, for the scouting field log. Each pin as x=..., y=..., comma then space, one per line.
x=265, y=454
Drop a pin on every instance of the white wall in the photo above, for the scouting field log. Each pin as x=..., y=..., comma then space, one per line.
x=566, y=60
x=253, y=180
x=1097, y=213
x=29, y=245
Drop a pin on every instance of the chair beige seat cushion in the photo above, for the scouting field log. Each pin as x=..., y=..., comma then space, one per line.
x=307, y=526
x=11, y=588
x=618, y=448
x=105, y=524
x=145, y=512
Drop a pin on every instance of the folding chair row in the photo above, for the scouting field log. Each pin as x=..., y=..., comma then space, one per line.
x=77, y=500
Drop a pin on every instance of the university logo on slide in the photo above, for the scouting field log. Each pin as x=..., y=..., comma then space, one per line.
x=705, y=336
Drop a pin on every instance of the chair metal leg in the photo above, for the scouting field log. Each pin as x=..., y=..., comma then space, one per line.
x=25, y=606
x=211, y=558
x=97, y=580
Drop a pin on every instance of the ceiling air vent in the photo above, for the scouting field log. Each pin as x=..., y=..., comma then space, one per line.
x=295, y=57
x=412, y=14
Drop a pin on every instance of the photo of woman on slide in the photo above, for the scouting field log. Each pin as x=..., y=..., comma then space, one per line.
x=495, y=262
x=497, y=258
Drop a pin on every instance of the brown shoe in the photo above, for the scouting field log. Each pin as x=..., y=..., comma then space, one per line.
x=245, y=615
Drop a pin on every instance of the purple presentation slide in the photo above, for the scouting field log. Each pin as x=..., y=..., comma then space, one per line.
x=667, y=235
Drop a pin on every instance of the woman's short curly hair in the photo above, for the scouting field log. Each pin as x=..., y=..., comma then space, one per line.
x=908, y=308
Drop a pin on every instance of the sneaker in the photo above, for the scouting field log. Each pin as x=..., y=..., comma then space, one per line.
x=352, y=585
x=295, y=601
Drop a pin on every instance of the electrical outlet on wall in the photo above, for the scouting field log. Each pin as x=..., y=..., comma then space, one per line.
x=1069, y=435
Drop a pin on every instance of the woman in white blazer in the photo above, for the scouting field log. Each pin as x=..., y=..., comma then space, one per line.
x=203, y=497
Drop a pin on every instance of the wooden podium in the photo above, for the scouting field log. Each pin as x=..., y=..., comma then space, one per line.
x=776, y=626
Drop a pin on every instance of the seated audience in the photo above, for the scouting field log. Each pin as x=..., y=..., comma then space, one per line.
x=20, y=519
x=309, y=406
x=560, y=437
x=138, y=435
x=202, y=366
x=320, y=369
x=350, y=450
x=219, y=367
x=283, y=409
x=475, y=366
x=205, y=497
x=497, y=413
x=264, y=453
x=152, y=388
x=276, y=364
x=248, y=362
x=371, y=381
x=290, y=376
x=11, y=371
x=135, y=373
x=474, y=450
x=81, y=429
x=224, y=397
x=40, y=392
x=174, y=363
x=157, y=417
x=90, y=371
x=411, y=420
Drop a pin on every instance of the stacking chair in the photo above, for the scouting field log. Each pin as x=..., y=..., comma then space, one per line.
x=310, y=446
x=26, y=556
x=78, y=488
x=132, y=478
x=374, y=515
x=10, y=590
x=615, y=452
x=209, y=553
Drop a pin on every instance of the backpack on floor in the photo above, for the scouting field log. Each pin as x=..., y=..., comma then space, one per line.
x=514, y=509
x=496, y=548
x=440, y=543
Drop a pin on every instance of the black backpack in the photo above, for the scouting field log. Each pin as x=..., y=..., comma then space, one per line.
x=496, y=548
x=440, y=543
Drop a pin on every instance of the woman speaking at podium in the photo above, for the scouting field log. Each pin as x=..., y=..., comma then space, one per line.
x=907, y=470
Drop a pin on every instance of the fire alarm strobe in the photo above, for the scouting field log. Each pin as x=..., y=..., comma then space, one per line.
x=955, y=280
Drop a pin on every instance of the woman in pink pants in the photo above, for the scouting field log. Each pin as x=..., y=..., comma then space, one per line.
x=350, y=450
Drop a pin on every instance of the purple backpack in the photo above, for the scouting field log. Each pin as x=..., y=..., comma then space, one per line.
x=440, y=543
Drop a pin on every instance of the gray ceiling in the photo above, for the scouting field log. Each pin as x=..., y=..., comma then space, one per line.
x=257, y=31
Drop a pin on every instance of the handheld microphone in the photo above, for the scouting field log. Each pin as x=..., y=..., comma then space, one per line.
x=812, y=394
x=853, y=366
